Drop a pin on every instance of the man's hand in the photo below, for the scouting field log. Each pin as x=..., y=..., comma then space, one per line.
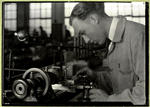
x=97, y=95
x=86, y=72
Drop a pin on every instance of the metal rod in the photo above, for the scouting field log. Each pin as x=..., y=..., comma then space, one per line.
x=79, y=46
x=81, y=52
x=11, y=69
x=88, y=49
x=74, y=48
x=10, y=60
x=16, y=76
x=84, y=49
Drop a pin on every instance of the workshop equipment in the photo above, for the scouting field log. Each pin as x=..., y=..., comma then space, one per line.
x=35, y=84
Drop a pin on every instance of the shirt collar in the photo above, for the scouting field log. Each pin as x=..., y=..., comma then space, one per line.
x=117, y=28
x=113, y=28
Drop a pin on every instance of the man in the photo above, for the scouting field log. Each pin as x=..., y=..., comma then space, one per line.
x=126, y=52
x=43, y=35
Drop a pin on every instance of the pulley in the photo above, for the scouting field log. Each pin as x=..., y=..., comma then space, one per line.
x=20, y=88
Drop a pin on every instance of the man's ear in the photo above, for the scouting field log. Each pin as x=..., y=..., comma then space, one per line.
x=94, y=19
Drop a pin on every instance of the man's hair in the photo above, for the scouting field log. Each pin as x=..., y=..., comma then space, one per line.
x=83, y=9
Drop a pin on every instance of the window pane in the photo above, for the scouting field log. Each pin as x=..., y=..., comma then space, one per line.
x=5, y=7
x=142, y=21
x=37, y=13
x=114, y=11
x=67, y=13
x=111, y=9
x=49, y=5
x=9, y=24
x=121, y=8
x=136, y=9
x=5, y=15
x=48, y=13
x=48, y=23
x=32, y=14
x=8, y=6
x=32, y=6
x=13, y=25
x=37, y=23
x=127, y=9
x=142, y=9
x=108, y=8
x=13, y=15
x=108, y=11
x=41, y=10
x=43, y=23
x=48, y=31
x=37, y=6
x=43, y=13
x=6, y=24
x=13, y=6
x=68, y=8
x=32, y=23
x=8, y=15
x=136, y=20
x=43, y=5
x=67, y=5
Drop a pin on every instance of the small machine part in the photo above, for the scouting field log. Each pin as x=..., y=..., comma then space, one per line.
x=86, y=85
x=35, y=84
x=86, y=90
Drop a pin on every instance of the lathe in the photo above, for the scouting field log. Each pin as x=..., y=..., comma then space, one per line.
x=30, y=82
x=45, y=85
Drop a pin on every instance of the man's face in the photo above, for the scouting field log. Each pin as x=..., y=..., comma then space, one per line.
x=94, y=31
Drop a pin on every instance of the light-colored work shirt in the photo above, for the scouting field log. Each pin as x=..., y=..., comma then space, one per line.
x=126, y=59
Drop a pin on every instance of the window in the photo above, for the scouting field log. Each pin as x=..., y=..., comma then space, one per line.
x=68, y=10
x=40, y=15
x=134, y=11
x=10, y=16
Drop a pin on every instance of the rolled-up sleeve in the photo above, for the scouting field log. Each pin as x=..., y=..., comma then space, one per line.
x=137, y=95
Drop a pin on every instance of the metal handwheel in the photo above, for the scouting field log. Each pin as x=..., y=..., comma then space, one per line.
x=35, y=73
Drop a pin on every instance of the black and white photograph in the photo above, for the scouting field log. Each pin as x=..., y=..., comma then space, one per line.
x=73, y=53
